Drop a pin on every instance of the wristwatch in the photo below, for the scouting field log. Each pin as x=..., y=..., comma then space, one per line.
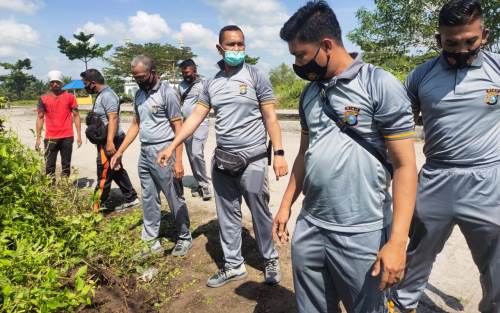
x=279, y=152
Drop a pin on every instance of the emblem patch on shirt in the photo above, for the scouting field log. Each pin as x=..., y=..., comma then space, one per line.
x=243, y=89
x=492, y=96
x=351, y=115
x=154, y=108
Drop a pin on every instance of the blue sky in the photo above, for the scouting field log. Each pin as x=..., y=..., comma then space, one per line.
x=30, y=28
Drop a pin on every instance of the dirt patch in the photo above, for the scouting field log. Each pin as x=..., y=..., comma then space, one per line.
x=180, y=285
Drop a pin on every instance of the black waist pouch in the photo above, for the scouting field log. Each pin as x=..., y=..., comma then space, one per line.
x=96, y=131
x=231, y=163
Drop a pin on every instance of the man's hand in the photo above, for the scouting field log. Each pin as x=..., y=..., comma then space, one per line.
x=79, y=141
x=280, y=231
x=38, y=143
x=178, y=169
x=392, y=257
x=116, y=160
x=164, y=157
x=280, y=166
x=110, y=148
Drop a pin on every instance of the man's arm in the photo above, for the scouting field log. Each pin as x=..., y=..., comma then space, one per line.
x=78, y=125
x=188, y=128
x=292, y=192
x=273, y=128
x=39, y=126
x=129, y=138
x=178, y=168
x=392, y=257
x=112, y=129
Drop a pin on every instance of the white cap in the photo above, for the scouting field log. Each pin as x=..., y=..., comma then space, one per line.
x=55, y=76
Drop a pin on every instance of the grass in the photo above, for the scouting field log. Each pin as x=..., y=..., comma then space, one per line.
x=23, y=103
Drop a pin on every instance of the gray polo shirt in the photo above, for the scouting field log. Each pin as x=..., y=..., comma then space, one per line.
x=156, y=109
x=191, y=98
x=236, y=100
x=108, y=102
x=347, y=189
x=460, y=110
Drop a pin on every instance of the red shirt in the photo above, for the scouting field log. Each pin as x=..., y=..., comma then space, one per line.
x=58, y=114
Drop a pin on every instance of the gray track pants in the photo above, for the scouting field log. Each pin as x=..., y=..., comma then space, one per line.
x=329, y=267
x=156, y=179
x=469, y=198
x=252, y=185
x=195, y=146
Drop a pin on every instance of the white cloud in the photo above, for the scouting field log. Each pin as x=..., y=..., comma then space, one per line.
x=110, y=28
x=267, y=12
x=15, y=34
x=260, y=23
x=197, y=36
x=7, y=51
x=23, y=6
x=144, y=26
x=15, y=37
x=93, y=28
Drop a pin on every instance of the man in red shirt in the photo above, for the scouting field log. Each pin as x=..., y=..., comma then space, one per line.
x=59, y=110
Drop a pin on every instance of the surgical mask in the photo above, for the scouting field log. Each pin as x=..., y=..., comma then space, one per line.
x=312, y=71
x=234, y=58
x=462, y=59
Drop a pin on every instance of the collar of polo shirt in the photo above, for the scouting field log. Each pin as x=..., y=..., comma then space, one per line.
x=220, y=64
x=478, y=61
x=349, y=73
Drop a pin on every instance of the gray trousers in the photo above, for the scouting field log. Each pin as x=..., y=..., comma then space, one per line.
x=469, y=198
x=156, y=179
x=329, y=267
x=252, y=185
x=195, y=146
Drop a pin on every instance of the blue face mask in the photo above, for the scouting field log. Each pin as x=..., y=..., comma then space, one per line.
x=234, y=58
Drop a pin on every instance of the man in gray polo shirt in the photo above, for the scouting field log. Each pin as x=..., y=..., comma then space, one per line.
x=107, y=108
x=347, y=245
x=243, y=101
x=157, y=119
x=189, y=90
x=457, y=94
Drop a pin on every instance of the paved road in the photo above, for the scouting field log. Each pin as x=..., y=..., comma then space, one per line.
x=454, y=284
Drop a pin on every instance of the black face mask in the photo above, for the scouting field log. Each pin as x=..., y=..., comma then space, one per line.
x=147, y=83
x=90, y=89
x=462, y=59
x=189, y=79
x=312, y=71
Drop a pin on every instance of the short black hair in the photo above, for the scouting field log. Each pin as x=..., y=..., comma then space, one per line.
x=227, y=29
x=92, y=75
x=187, y=63
x=311, y=23
x=460, y=12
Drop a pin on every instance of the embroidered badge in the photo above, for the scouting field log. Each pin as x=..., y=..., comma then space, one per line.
x=351, y=115
x=154, y=108
x=243, y=89
x=491, y=97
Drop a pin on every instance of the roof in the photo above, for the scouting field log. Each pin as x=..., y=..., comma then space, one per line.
x=74, y=84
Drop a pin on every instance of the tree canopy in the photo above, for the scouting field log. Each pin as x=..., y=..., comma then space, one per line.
x=82, y=49
x=17, y=80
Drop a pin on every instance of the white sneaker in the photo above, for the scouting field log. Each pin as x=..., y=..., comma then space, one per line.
x=127, y=205
x=226, y=275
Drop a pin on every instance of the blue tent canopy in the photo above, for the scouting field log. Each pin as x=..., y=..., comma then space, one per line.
x=74, y=84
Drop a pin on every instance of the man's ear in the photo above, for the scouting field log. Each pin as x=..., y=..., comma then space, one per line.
x=437, y=36
x=486, y=35
x=327, y=44
x=219, y=48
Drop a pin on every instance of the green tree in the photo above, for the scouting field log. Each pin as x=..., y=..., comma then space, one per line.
x=83, y=49
x=251, y=60
x=282, y=75
x=166, y=57
x=399, y=34
x=17, y=80
x=286, y=85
